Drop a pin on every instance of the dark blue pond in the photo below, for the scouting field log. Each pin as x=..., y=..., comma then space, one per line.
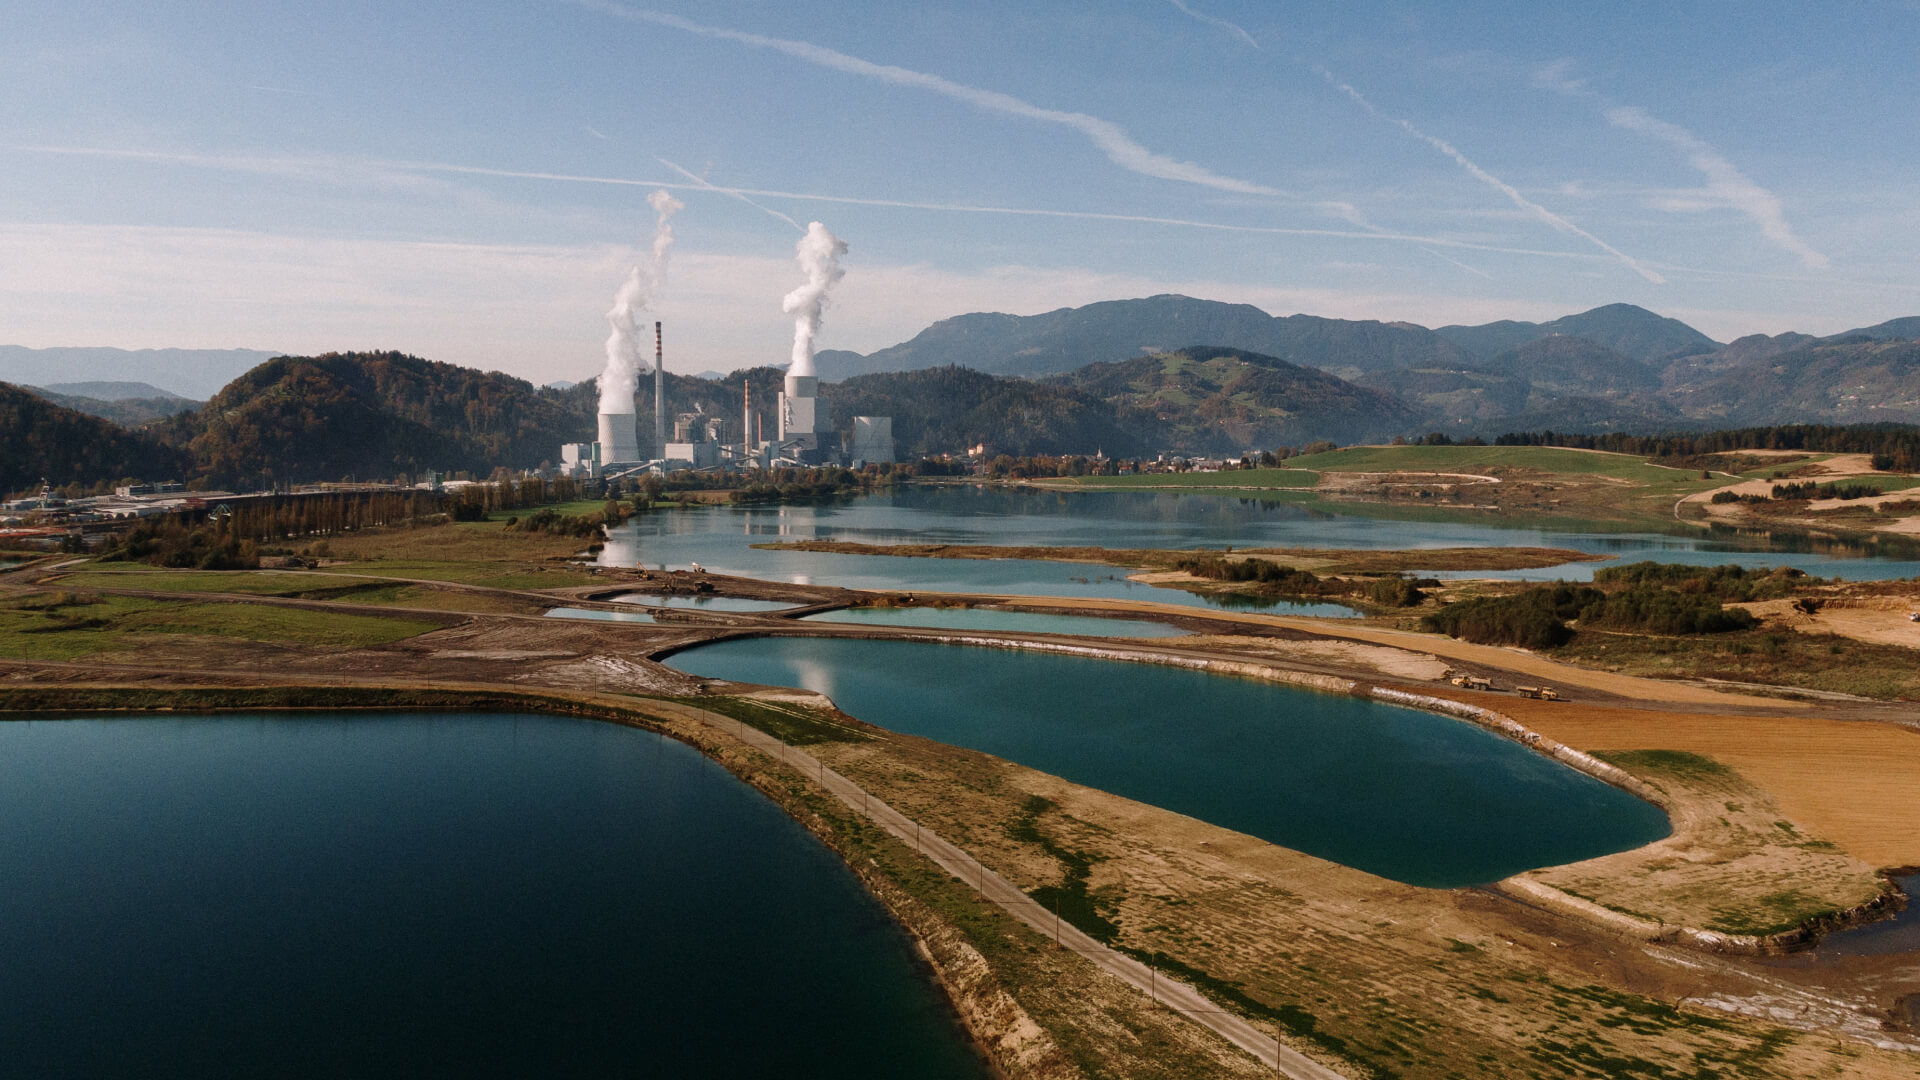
x=430, y=896
x=1397, y=792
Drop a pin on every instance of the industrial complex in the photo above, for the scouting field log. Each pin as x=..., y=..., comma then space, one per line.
x=701, y=441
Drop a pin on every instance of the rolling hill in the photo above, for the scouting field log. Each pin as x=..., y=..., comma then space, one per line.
x=371, y=416
x=1218, y=400
x=39, y=438
x=1070, y=338
x=1624, y=328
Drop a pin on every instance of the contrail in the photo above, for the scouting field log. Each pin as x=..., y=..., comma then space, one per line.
x=1232, y=28
x=331, y=167
x=1494, y=182
x=705, y=185
x=1109, y=137
x=1724, y=182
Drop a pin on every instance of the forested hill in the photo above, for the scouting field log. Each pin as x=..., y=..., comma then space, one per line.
x=1063, y=340
x=39, y=438
x=952, y=408
x=1215, y=400
x=371, y=416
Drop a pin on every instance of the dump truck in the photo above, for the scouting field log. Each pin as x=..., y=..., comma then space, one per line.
x=1543, y=693
x=1473, y=682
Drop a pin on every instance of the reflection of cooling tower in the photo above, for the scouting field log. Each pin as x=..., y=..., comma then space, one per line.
x=797, y=410
x=619, y=437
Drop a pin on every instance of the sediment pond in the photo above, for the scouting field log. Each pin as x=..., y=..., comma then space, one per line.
x=430, y=895
x=1409, y=795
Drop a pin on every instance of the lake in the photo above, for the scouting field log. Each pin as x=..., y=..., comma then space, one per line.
x=1405, y=794
x=721, y=539
x=386, y=895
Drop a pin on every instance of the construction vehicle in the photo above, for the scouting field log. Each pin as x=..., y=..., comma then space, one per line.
x=1473, y=682
x=1541, y=693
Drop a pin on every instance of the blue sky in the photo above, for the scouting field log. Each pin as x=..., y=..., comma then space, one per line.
x=468, y=181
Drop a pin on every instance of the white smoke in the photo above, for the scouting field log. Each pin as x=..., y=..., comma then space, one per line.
x=626, y=335
x=819, y=256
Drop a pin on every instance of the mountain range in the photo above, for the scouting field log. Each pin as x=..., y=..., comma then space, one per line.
x=1613, y=368
x=1131, y=377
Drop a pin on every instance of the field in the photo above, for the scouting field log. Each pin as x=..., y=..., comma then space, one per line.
x=74, y=625
x=1445, y=482
x=1262, y=479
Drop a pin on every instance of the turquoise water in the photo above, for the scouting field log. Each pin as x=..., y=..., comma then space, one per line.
x=604, y=616
x=709, y=603
x=722, y=539
x=1035, y=622
x=430, y=896
x=1397, y=792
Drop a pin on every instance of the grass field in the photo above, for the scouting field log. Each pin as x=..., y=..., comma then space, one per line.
x=72, y=625
x=473, y=552
x=1236, y=478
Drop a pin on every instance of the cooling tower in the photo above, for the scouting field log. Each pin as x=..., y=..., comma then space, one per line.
x=797, y=410
x=619, y=437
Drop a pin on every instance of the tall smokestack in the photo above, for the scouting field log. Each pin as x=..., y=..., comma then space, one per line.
x=746, y=414
x=659, y=395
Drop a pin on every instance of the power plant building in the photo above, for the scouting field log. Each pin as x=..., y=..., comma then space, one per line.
x=799, y=422
x=872, y=440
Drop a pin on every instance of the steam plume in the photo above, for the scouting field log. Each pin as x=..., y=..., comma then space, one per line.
x=819, y=256
x=622, y=374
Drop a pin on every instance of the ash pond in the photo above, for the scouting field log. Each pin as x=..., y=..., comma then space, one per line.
x=1405, y=794
x=431, y=895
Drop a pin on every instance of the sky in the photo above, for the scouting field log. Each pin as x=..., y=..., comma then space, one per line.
x=468, y=181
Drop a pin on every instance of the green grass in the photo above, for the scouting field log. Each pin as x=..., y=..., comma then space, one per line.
x=1232, y=478
x=248, y=582
x=44, y=628
x=795, y=725
x=1550, y=459
x=1678, y=764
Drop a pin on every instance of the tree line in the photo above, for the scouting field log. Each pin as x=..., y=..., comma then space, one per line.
x=1893, y=447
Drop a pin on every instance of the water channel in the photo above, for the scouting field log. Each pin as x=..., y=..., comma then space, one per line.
x=430, y=895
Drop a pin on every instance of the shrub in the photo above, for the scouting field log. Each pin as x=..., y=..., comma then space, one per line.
x=1534, y=619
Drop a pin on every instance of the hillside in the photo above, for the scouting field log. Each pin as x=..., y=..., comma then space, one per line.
x=126, y=411
x=1624, y=328
x=1849, y=383
x=949, y=409
x=39, y=438
x=115, y=391
x=1219, y=400
x=370, y=416
x=1070, y=338
x=1563, y=364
